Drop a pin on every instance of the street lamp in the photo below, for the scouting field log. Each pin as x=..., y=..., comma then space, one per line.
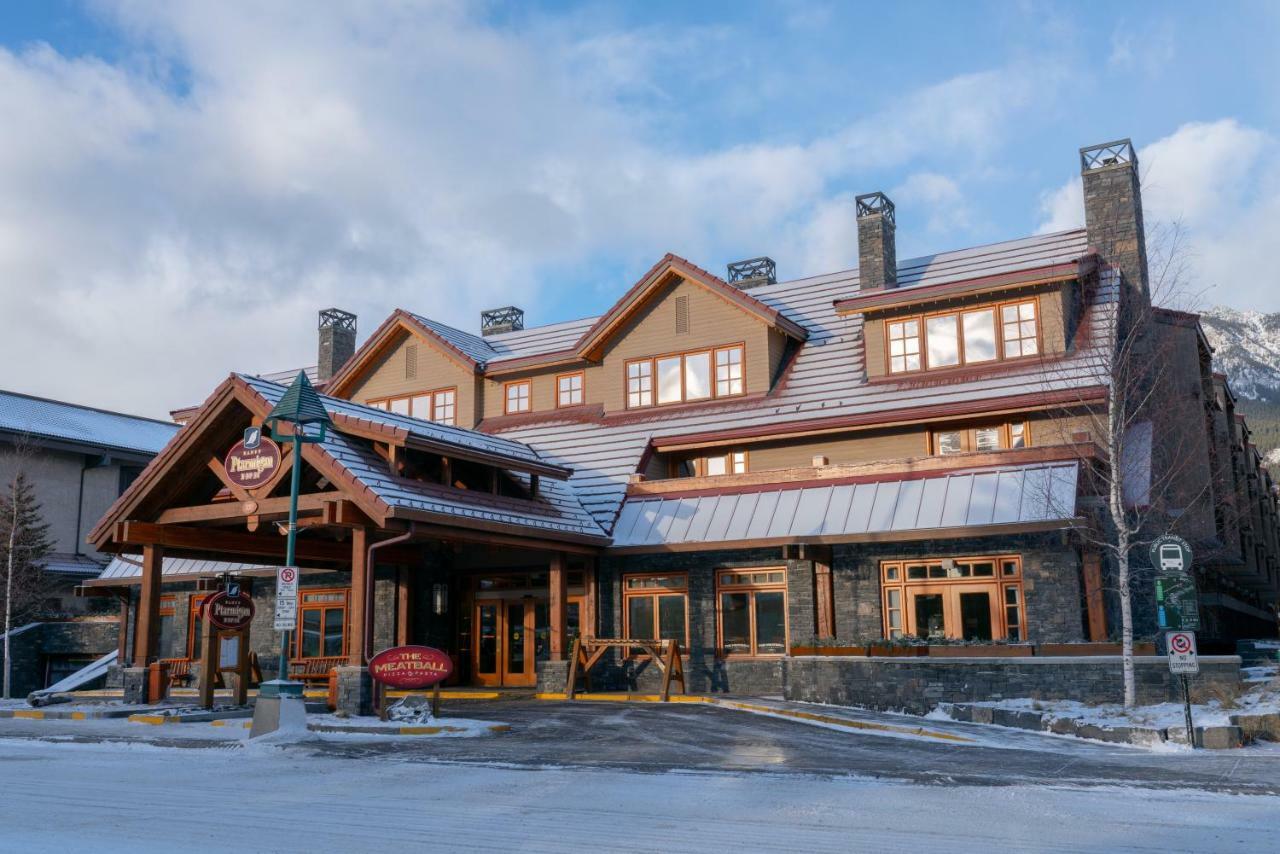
x=300, y=407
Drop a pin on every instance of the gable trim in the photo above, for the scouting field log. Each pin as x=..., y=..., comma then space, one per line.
x=381, y=339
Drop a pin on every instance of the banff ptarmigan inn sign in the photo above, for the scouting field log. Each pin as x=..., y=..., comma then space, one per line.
x=249, y=467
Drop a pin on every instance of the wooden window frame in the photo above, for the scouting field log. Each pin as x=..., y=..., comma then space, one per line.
x=999, y=581
x=582, y=391
x=295, y=651
x=922, y=319
x=752, y=588
x=715, y=370
x=384, y=403
x=969, y=437
x=713, y=384
x=654, y=593
x=700, y=464
x=506, y=396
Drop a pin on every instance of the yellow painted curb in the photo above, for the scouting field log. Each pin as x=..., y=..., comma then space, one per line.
x=151, y=719
x=450, y=695
x=231, y=722
x=838, y=721
x=78, y=716
x=29, y=714
x=621, y=697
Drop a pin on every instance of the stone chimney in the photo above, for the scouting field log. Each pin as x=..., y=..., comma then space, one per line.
x=1113, y=212
x=877, y=249
x=753, y=272
x=506, y=319
x=337, y=342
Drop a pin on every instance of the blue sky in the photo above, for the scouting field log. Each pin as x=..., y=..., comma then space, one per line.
x=180, y=174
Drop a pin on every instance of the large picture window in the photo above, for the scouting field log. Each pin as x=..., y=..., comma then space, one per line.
x=987, y=437
x=656, y=607
x=971, y=598
x=440, y=405
x=322, y=622
x=684, y=377
x=751, y=606
x=952, y=339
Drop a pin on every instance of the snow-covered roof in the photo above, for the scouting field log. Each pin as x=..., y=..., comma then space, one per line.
x=99, y=429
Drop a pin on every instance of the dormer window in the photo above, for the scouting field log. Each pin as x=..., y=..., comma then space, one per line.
x=985, y=438
x=686, y=377
x=440, y=405
x=516, y=397
x=570, y=389
x=959, y=338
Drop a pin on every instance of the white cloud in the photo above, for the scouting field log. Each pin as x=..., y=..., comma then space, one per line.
x=184, y=211
x=1220, y=182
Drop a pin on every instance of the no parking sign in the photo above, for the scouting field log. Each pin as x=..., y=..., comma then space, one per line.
x=1182, y=652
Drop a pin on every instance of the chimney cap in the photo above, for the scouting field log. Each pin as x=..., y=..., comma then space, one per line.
x=336, y=317
x=505, y=319
x=1117, y=153
x=753, y=271
x=870, y=204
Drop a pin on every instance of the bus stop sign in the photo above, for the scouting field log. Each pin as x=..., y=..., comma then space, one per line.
x=1171, y=554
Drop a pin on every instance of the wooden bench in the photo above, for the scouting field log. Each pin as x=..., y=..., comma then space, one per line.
x=314, y=669
x=180, y=675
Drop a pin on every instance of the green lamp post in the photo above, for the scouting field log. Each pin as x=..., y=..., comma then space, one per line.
x=301, y=408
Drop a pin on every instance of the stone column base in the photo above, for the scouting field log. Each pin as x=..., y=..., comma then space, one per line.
x=134, y=682
x=355, y=691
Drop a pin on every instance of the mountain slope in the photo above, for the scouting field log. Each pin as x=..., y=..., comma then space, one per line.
x=1247, y=349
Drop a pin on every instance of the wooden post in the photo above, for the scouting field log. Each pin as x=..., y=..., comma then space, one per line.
x=208, y=663
x=147, y=629
x=1092, y=576
x=356, y=607
x=404, y=589
x=435, y=700
x=122, y=642
x=242, y=670
x=823, y=594
x=556, y=605
x=571, y=688
x=590, y=624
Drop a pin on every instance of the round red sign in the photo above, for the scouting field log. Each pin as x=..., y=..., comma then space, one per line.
x=410, y=666
x=229, y=613
x=250, y=467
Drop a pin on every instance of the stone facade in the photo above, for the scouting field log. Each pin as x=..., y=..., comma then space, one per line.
x=33, y=649
x=918, y=685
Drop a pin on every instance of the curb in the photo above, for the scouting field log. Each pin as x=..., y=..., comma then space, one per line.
x=1209, y=737
x=403, y=730
x=56, y=715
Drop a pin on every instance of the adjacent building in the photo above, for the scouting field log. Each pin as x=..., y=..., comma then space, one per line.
x=771, y=473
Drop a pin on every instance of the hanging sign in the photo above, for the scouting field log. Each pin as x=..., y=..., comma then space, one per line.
x=410, y=667
x=249, y=467
x=229, y=613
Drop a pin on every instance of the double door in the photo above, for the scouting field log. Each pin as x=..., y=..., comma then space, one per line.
x=968, y=612
x=513, y=635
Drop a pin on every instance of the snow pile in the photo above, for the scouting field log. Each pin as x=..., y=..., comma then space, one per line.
x=411, y=709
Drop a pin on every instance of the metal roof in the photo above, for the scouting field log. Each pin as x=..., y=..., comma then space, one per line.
x=119, y=568
x=83, y=425
x=72, y=564
x=973, y=499
x=827, y=379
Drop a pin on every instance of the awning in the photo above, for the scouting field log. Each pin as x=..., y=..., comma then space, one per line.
x=971, y=503
x=128, y=572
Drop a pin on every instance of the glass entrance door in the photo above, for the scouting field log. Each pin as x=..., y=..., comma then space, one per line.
x=512, y=635
x=954, y=611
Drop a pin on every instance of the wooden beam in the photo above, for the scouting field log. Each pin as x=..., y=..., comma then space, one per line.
x=823, y=591
x=147, y=628
x=444, y=531
x=345, y=514
x=556, y=603
x=264, y=508
x=1094, y=606
x=356, y=607
x=404, y=591
x=215, y=465
x=217, y=541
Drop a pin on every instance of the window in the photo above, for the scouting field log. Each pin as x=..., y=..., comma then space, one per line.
x=732, y=462
x=570, y=389
x=516, y=397
x=988, y=437
x=904, y=346
x=1018, y=322
x=440, y=405
x=322, y=621
x=971, y=598
x=729, y=371
x=168, y=628
x=656, y=607
x=970, y=337
x=751, y=608
x=685, y=377
x=639, y=384
x=944, y=341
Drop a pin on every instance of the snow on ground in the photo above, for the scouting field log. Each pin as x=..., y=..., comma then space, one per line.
x=1262, y=696
x=111, y=797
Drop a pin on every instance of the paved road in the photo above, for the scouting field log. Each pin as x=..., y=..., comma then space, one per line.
x=656, y=738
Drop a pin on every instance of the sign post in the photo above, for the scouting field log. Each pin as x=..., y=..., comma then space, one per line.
x=1177, y=605
x=1183, y=662
x=286, y=616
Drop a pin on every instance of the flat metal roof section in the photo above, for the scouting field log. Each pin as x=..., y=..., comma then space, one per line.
x=972, y=503
x=826, y=384
x=120, y=569
x=97, y=429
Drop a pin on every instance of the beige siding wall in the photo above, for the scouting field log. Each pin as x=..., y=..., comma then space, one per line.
x=873, y=346
x=712, y=322
x=389, y=376
x=543, y=387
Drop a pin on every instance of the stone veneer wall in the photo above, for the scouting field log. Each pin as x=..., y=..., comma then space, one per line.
x=918, y=685
x=90, y=637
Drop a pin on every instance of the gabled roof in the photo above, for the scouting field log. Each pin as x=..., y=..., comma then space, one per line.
x=95, y=429
x=659, y=276
x=467, y=350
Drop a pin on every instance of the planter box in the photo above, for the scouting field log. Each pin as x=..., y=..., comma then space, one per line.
x=889, y=651
x=1069, y=649
x=859, y=651
x=981, y=651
